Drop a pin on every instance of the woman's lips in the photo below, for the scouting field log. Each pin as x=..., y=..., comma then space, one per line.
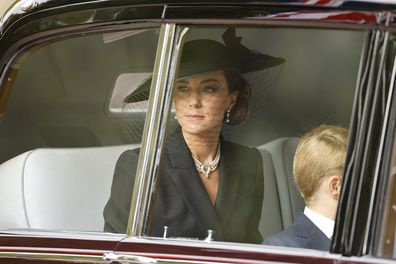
x=195, y=116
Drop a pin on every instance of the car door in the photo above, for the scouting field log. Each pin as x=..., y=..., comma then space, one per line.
x=68, y=68
x=343, y=79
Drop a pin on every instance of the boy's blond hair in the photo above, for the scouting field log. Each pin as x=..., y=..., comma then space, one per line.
x=320, y=153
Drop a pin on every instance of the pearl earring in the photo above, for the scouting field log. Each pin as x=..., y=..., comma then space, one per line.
x=228, y=117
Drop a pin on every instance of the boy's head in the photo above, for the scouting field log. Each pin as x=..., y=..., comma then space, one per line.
x=320, y=155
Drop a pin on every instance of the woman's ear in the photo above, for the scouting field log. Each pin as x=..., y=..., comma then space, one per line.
x=233, y=96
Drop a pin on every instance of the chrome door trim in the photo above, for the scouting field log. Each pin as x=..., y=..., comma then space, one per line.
x=160, y=102
x=72, y=258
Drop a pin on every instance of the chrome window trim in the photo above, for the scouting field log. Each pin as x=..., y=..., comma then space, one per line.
x=291, y=23
x=160, y=103
x=376, y=91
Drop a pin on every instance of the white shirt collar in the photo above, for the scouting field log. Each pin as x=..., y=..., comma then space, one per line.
x=325, y=224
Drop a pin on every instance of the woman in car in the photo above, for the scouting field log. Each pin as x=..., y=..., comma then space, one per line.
x=204, y=182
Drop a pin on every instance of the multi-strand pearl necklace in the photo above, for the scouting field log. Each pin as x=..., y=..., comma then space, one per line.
x=207, y=167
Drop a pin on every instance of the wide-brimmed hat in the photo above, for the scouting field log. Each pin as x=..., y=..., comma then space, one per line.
x=205, y=55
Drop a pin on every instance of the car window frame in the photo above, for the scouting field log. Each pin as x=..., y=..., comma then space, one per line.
x=134, y=231
x=160, y=105
x=337, y=247
x=77, y=246
x=386, y=181
x=355, y=231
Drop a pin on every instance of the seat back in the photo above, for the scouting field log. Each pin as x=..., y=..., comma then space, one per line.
x=289, y=201
x=67, y=189
x=62, y=189
x=271, y=217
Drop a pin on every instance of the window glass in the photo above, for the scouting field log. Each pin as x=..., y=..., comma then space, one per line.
x=65, y=123
x=229, y=177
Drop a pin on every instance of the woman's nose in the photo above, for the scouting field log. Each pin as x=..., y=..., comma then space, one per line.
x=195, y=100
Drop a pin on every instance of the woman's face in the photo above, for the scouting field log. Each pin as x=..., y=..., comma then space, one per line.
x=201, y=101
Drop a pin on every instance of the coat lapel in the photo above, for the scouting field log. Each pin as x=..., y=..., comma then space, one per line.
x=186, y=179
x=230, y=176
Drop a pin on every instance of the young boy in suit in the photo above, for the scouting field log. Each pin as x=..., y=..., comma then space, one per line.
x=318, y=167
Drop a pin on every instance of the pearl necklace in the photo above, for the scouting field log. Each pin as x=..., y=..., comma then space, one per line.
x=207, y=167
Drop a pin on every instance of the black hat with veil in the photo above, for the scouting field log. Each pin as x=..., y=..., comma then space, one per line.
x=260, y=70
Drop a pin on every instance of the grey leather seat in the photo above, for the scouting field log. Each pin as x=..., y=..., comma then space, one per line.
x=282, y=200
x=62, y=189
x=89, y=171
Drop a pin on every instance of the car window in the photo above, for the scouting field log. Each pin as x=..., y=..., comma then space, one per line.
x=65, y=123
x=233, y=181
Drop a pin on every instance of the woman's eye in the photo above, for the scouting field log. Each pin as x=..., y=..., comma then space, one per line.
x=210, y=89
x=182, y=88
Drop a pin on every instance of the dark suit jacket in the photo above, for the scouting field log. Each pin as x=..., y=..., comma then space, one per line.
x=181, y=201
x=303, y=233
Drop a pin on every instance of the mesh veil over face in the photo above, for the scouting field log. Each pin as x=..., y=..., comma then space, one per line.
x=203, y=55
x=263, y=83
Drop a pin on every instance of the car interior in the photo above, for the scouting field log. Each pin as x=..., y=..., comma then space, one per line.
x=65, y=122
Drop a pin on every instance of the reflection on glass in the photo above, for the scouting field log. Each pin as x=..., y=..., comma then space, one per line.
x=285, y=101
x=202, y=176
x=59, y=136
x=210, y=178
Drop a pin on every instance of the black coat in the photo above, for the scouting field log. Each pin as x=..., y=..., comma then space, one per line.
x=182, y=203
x=303, y=233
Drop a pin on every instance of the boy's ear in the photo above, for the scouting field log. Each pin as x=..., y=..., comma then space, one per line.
x=335, y=186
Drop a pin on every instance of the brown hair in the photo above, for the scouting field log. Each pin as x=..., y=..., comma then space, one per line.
x=236, y=82
x=320, y=153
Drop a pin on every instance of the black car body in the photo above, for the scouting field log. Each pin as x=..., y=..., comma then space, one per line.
x=64, y=65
